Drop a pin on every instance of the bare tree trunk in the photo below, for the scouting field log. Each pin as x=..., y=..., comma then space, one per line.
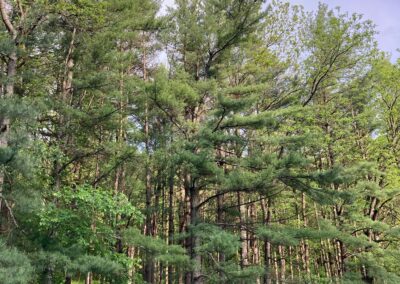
x=148, y=268
x=276, y=268
x=131, y=271
x=282, y=258
x=89, y=278
x=184, y=221
x=254, y=244
x=171, y=228
x=266, y=208
x=197, y=277
x=220, y=210
x=4, y=120
x=291, y=272
x=298, y=251
x=244, y=250
x=306, y=252
x=4, y=137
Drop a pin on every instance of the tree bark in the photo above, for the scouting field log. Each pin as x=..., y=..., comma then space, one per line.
x=244, y=249
x=197, y=277
x=4, y=120
x=306, y=252
x=171, y=228
x=266, y=208
x=89, y=278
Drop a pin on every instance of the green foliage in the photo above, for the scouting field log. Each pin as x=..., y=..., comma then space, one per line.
x=15, y=267
x=85, y=216
x=157, y=249
x=214, y=242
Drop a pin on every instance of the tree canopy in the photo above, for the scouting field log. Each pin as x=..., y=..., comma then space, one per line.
x=215, y=141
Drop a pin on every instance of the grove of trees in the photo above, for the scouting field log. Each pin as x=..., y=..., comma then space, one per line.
x=217, y=141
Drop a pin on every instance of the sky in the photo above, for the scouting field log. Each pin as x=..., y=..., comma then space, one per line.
x=384, y=13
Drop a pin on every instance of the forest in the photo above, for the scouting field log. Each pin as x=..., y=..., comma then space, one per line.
x=213, y=141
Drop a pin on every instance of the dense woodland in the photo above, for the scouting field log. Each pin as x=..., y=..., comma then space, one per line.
x=218, y=141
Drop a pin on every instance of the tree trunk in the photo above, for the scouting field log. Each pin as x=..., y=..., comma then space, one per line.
x=306, y=252
x=148, y=269
x=171, y=228
x=4, y=136
x=89, y=278
x=197, y=277
x=282, y=258
x=266, y=208
x=4, y=120
x=244, y=250
x=131, y=270
x=276, y=269
x=220, y=219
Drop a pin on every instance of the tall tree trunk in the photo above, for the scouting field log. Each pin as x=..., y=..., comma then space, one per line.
x=194, y=201
x=4, y=120
x=89, y=278
x=306, y=251
x=148, y=268
x=48, y=275
x=130, y=252
x=184, y=221
x=220, y=210
x=290, y=255
x=244, y=249
x=276, y=268
x=254, y=243
x=266, y=208
x=281, y=251
x=171, y=229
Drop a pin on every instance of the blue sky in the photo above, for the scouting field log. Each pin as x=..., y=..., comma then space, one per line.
x=384, y=13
